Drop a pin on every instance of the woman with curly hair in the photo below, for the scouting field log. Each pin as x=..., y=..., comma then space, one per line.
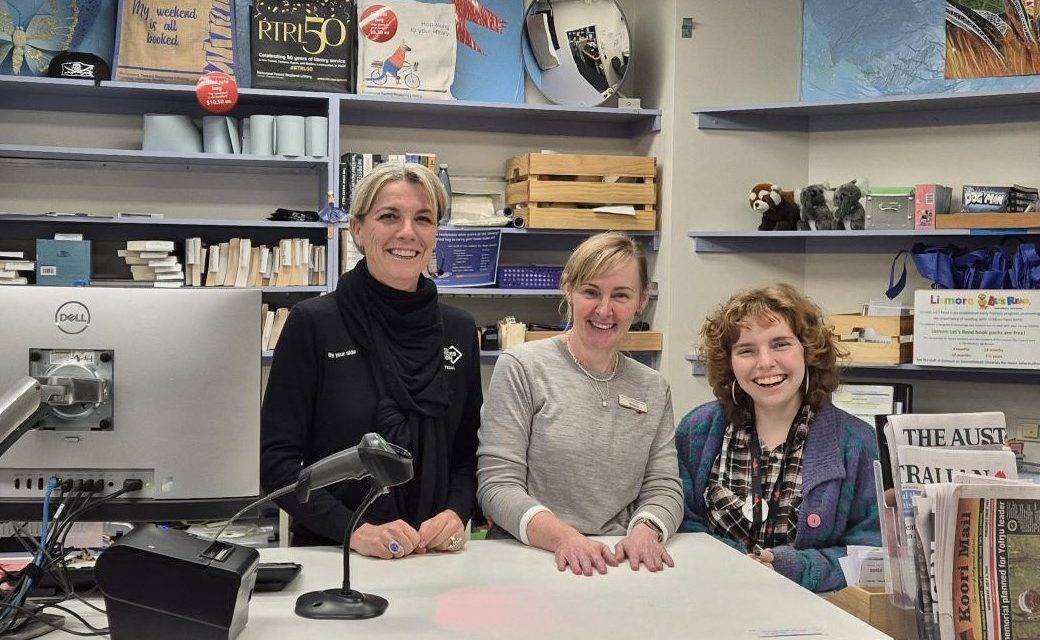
x=771, y=467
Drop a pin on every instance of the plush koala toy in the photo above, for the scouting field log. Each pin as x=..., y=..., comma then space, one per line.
x=847, y=210
x=815, y=210
x=779, y=212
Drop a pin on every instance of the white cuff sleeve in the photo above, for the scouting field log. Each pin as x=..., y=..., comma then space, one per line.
x=652, y=518
x=526, y=520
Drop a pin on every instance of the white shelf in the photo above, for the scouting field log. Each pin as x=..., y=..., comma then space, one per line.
x=137, y=157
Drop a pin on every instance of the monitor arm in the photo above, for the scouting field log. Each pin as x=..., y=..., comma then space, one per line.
x=30, y=398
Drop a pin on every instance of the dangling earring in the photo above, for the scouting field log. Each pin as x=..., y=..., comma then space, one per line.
x=807, y=383
x=733, y=391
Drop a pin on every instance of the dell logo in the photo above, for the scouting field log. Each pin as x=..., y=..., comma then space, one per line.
x=72, y=318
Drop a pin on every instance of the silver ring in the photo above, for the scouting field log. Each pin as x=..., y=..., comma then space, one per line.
x=455, y=543
x=394, y=547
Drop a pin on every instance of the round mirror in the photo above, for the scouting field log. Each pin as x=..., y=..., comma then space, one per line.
x=576, y=51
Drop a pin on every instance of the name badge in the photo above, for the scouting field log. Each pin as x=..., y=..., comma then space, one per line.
x=631, y=403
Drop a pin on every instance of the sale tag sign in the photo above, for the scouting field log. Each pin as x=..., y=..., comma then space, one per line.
x=217, y=92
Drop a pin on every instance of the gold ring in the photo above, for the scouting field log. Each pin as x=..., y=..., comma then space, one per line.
x=455, y=543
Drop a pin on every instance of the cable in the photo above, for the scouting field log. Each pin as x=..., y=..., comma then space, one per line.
x=271, y=496
x=35, y=615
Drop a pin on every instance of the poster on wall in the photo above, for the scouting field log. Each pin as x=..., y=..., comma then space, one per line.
x=977, y=328
x=466, y=257
x=990, y=38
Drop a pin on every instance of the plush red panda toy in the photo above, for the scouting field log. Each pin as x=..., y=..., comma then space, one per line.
x=779, y=212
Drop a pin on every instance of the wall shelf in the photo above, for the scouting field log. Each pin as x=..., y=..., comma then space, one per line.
x=494, y=292
x=63, y=220
x=539, y=119
x=559, y=239
x=356, y=110
x=138, y=157
x=871, y=241
x=913, y=371
x=962, y=107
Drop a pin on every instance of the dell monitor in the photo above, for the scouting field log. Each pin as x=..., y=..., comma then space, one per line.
x=181, y=411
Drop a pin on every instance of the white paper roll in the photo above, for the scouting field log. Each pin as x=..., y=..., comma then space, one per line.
x=244, y=128
x=317, y=136
x=168, y=132
x=261, y=135
x=215, y=135
x=290, y=133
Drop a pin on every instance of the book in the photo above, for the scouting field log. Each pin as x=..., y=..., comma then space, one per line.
x=233, y=258
x=280, y=317
x=245, y=254
x=265, y=336
x=150, y=245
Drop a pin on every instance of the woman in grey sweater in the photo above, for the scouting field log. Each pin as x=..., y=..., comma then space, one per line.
x=578, y=440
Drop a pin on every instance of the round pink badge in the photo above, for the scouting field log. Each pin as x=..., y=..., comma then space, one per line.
x=813, y=520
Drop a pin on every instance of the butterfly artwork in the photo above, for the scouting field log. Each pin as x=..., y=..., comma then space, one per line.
x=33, y=33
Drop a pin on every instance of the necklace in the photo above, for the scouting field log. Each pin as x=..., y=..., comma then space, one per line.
x=594, y=380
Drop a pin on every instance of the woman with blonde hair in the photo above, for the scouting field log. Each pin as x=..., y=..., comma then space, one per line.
x=371, y=357
x=772, y=467
x=577, y=439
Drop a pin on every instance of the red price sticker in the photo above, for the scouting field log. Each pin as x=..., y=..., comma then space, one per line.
x=378, y=23
x=217, y=92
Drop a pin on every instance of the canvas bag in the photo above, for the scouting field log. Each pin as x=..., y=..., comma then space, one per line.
x=174, y=42
x=406, y=47
x=53, y=26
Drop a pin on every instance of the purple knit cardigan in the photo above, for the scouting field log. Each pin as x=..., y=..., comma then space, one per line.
x=838, y=506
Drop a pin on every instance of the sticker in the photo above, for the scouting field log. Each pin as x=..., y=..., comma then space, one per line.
x=217, y=92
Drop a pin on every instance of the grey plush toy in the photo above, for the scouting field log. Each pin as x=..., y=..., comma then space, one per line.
x=847, y=210
x=815, y=209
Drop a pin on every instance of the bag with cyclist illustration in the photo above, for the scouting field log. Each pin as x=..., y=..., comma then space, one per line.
x=406, y=47
x=309, y=45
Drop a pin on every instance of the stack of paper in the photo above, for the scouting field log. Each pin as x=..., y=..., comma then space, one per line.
x=13, y=266
x=153, y=261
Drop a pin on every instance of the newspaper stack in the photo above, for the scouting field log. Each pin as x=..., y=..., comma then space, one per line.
x=985, y=563
x=13, y=267
x=153, y=261
x=929, y=454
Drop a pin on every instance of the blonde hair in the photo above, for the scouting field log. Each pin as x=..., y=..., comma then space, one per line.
x=365, y=192
x=597, y=255
x=769, y=304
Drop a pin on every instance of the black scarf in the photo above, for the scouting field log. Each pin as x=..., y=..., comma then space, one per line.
x=402, y=334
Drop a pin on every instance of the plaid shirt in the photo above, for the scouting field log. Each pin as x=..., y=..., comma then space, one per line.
x=730, y=481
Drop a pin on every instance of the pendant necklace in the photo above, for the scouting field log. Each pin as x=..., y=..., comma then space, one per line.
x=594, y=380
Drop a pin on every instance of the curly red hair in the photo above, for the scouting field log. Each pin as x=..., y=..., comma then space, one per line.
x=769, y=304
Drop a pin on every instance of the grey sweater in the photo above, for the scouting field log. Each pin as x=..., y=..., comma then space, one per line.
x=547, y=442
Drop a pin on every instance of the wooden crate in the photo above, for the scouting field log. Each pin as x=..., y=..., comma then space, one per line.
x=897, y=350
x=871, y=605
x=559, y=191
x=987, y=221
x=633, y=341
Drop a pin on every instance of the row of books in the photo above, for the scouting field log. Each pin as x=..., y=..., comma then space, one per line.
x=354, y=166
x=12, y=265
x=292, y=262
x=963, y=535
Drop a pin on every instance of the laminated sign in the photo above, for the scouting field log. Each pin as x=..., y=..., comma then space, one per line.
x=174, y=40
x=303, y=45
x=406, y=47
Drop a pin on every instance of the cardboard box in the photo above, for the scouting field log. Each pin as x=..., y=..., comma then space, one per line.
x=930, y=200
x=872, y=605
x=894, y=335
x=987, y=328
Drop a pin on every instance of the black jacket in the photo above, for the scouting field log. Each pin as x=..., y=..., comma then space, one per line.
x=320, y=399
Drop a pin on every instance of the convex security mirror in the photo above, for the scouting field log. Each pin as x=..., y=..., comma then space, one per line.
x=576, y=51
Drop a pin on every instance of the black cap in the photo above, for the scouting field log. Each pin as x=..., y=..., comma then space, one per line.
x=76, y=64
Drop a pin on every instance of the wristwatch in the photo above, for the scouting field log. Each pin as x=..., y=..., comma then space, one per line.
x=653, y=525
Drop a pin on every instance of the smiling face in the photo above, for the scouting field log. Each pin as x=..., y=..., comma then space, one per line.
x=602, y=308
x=397, y=235
x=769, y=363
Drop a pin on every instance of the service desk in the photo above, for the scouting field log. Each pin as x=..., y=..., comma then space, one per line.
x=502, y=589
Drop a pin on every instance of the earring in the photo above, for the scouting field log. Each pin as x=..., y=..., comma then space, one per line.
x=807, y=382
x=733, y=391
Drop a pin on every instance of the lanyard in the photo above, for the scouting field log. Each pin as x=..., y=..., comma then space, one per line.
x=756, y=482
